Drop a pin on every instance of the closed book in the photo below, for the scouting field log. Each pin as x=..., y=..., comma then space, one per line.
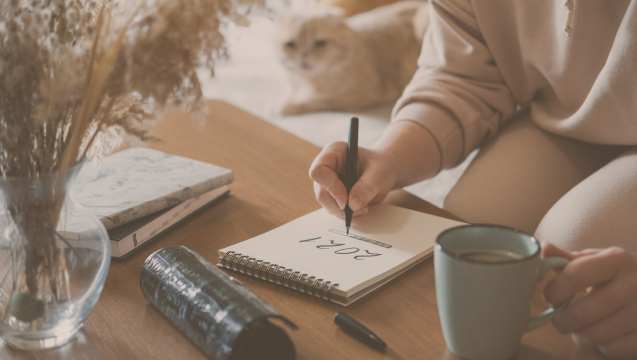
x=137, y=182
x=130, y=236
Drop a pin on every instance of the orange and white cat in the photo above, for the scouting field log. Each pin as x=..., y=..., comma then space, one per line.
x=344, y=64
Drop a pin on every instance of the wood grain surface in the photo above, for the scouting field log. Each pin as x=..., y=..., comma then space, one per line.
x=271, y=188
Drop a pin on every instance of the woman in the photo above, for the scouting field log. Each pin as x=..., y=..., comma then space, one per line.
x=548, y=92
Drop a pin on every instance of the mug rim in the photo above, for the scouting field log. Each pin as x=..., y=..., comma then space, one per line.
x=524, y=258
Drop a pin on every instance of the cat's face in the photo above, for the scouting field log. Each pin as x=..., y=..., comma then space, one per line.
x=311, y=44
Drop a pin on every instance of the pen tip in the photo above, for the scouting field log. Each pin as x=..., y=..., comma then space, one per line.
x=347, y=230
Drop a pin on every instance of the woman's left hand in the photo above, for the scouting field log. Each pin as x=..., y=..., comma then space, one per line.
x=607, y=314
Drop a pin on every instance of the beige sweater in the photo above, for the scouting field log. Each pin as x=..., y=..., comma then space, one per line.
x=483, y=61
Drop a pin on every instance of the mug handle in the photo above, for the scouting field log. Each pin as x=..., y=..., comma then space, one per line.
x=540, y=319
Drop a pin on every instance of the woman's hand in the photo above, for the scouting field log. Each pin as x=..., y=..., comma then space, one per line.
x=375, y=179
x=607, y=315
x=405, y=153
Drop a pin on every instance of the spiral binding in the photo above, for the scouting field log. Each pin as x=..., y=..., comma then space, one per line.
x=254, y=267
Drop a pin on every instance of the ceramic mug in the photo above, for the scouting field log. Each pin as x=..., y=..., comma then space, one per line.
x=485, y=279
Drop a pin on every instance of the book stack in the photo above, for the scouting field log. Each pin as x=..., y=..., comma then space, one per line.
x=140, y=193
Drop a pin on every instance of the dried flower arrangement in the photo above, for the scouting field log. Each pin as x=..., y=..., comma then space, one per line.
x=76, y=77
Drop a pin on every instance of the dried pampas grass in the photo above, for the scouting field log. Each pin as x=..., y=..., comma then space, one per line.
x=78, y=75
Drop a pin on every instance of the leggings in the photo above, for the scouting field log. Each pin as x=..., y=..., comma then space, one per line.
x=574, y=194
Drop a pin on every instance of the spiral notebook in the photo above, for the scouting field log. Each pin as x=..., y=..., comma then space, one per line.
x=314, y=255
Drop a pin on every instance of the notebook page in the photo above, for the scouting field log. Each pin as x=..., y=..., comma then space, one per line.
x=380, y=243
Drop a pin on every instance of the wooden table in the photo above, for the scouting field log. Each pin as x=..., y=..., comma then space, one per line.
x=271, y=188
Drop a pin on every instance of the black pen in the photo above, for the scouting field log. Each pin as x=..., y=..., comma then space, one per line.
x=358, y=331
x=350, y=167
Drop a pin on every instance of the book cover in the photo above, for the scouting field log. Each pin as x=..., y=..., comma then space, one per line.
x=132, y=235
x=136, y=182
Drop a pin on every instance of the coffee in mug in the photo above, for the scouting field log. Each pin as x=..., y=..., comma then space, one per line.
x=486, y=255
x=485, y=279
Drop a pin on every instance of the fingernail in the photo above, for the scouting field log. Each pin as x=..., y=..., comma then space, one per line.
x=340, y=202
x=356, y=203
x=579, y=339
x=360, y=212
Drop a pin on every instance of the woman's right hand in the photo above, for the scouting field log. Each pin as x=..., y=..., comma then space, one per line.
x=404, y=154
x=375, y=173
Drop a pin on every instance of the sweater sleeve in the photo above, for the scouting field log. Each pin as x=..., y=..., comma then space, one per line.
x=457, y=93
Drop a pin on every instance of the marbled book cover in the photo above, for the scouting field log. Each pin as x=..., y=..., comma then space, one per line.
x=133, y=183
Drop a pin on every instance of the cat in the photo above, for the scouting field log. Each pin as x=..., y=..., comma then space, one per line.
x=344, y=64
x=351, y=7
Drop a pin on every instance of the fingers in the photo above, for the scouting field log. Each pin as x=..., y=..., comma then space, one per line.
x=362, y=193
x=600, y=305
x=327, y=201
x=324, y=171
x=611, y=328
x=549, y=250
x=584, y=272
x=360, y=212
x=607, y=316
x=586, y=252
x=621, y=348
x=374, y=182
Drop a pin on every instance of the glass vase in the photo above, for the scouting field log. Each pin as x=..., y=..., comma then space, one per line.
x=54, y=257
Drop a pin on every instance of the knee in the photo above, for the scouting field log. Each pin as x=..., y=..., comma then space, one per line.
x=599, y=212
x=578, y=222
x=562, y=229
x=575, y=225
x=578, y=230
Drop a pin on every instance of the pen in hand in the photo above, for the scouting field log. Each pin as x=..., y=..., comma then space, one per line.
x=350, y=167
x=358, y=331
